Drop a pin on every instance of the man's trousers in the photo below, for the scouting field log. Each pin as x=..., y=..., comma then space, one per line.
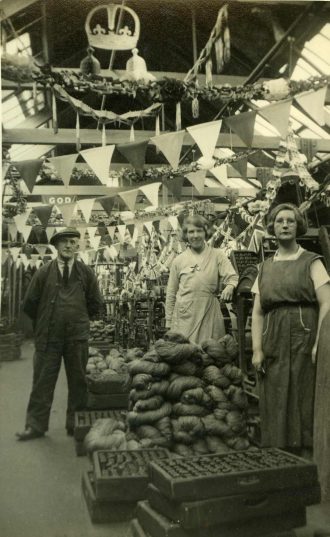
x=45, y=374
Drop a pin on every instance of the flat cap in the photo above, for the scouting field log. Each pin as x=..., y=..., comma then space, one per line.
x=65, y=232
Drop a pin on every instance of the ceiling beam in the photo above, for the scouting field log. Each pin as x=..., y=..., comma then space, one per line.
x=93, y=137
x=100, y=190
x=8, y=8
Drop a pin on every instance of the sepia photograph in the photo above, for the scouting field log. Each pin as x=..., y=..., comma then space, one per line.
x=165, y=268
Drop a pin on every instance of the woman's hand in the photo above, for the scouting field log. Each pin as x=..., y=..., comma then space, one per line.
x=258, y=359
x=227, y=293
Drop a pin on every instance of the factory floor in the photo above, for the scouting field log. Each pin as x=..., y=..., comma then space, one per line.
x=40, y=480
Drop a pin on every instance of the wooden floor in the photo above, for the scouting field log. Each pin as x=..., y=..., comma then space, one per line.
x=40, y=490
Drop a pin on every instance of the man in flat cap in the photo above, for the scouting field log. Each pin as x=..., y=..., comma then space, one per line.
x=62, y=297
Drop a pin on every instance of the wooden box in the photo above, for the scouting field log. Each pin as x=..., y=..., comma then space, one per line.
x=102, y=511
x=208, y=476
x=156, y=525
x=123, y=475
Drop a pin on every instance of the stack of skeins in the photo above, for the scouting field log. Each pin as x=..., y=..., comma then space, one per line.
x=109, y=433
x=149, y=410
x=186, y=392
x=226, y=424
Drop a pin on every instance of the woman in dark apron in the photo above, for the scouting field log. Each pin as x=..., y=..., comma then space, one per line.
x=292, y=296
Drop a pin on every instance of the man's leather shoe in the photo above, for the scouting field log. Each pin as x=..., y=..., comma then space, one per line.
x=29, y=434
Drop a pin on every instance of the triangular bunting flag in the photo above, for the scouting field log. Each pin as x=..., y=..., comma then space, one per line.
x=175, y=186
x=84, y=257
x=121, y=232
x=99, y=160
x=39, y=262
x=170, y=145
x=64, y=166
x=164, y=227
x=278, y=115
x=173, y=220
x=206, y=136
x=29, y=171
x=21, y=219
x=312, y=102
x=113, y=252
x=43, y=213
x=24, y=260
x=86, y=207
x=156, y=224
x=12, y=229
x=197, y=179
x=25, y=230
x=220, y=173
x=111, y=231
x=241, y=166
x=151, y=193
x=148, y=226
x=41, y=249
x=129, y=198
x=102, y=230
x=135, y=236
x=243, y=125
x=135, y=153
x=91, y=231
x=95, y=242
x=50, y=232
x=52, y=248
x=67, y=210
x=15, y=250
x=107, y=203
x=131, y=228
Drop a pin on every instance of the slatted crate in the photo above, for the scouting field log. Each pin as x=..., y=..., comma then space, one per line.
x=84, y=420
x=222, y=510
x=102, y=511
x=117, y=384
x=208, y=476
x=153, y=524
x=107, y=401
x=123, y=475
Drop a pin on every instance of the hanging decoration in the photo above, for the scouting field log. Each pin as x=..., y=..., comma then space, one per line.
x=218, y=40
x=110, y=37
x=136, y=69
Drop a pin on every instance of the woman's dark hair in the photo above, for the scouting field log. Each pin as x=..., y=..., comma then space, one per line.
x=301, y=223
x=198, y=221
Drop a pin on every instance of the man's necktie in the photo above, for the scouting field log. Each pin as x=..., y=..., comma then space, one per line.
x=66, y=273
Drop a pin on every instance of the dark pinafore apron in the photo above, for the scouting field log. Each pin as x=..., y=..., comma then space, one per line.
x=289, y=302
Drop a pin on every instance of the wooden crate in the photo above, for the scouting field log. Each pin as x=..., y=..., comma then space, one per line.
x=102, y=511
x=85, y=419
x=123, y=475
x=225, y=509
x=98, y=401
x=156, y=525
x=208, y=476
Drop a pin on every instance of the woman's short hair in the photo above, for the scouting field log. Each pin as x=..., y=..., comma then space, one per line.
x=301, y=223
x=198, y=221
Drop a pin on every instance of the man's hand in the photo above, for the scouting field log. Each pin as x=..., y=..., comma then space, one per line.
x=227, y=293
x=314, y=351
